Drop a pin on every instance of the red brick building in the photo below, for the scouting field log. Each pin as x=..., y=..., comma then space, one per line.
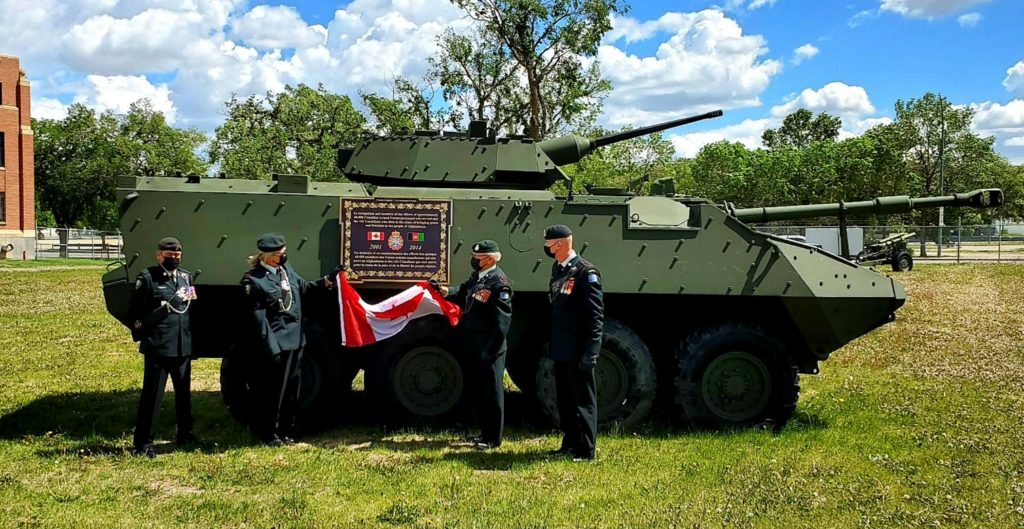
x=17, y=174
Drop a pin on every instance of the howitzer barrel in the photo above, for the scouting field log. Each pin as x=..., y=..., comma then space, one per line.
x=979, y=198
x=571, y=149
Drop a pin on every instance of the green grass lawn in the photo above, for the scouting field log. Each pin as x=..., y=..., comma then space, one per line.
x=917, y=425
x=18, y=264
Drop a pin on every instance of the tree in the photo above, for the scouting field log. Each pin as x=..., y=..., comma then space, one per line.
x=546, y=40
x=802, y=128
x=294, y=131
x=78, y=158
x=410, y=107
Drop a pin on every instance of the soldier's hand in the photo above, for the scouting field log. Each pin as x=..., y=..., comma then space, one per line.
x=434, y=284
x=326, y=281
x=165, y=305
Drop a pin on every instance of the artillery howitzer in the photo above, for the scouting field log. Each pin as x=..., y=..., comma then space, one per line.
x=711, y=314
x=892, y=250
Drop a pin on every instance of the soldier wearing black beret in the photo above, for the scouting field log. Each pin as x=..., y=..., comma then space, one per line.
x=274, y=292
x=486, y=302
x=158, y=311
x=577, y=329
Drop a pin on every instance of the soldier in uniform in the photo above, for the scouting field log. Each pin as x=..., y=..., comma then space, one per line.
x=486, y=302
x=274, y=291
x=159, y=312
x=577, y=326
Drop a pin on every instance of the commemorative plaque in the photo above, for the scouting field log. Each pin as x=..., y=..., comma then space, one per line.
x=395, y=240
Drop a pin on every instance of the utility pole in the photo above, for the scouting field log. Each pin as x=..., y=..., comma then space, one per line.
x=942, y=166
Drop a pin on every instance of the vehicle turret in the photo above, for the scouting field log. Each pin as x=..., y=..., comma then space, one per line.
x=477, y=158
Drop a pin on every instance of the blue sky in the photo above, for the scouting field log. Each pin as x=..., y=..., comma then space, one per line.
x=665, y=59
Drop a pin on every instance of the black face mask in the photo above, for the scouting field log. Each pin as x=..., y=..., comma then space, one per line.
x=549, y=252
x=283, y=260
x=475, y=264
x=171, y=263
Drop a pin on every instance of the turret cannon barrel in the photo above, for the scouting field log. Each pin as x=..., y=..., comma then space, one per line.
x=979, y=198
x=565, y=150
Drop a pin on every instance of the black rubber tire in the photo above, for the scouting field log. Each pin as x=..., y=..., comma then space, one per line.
x=732, y=346
x=902, y=262
x=236, y=388
x=422, y=339
x=625, y=368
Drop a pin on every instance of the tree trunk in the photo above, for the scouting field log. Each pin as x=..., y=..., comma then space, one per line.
x=531, y=79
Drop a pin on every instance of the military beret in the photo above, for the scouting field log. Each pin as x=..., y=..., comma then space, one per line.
x=168, y=244
x=558, y=231
x=270, y=242
x=486, y=246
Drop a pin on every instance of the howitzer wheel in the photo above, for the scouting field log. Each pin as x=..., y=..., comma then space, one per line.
x=902, y=261
x=735, y=376
x=625, y=378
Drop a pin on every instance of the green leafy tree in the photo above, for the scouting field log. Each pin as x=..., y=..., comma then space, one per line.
x=547, y=41
x=801, y=129
x=78, y=159
x=410, y=107
x=295, y=131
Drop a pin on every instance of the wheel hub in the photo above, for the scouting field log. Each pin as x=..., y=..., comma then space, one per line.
x=612, y=382
x=428, y=381
x=736, y=386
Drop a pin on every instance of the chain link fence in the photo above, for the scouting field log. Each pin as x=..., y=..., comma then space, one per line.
x=999, y=242
x=78, y=243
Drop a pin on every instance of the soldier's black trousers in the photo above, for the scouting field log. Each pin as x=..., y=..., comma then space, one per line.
x=281, y=393
x=154, y=378
x=491, y=376
x=576, y=392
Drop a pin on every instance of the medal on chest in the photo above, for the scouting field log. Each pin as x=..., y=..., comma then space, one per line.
x=568, y=286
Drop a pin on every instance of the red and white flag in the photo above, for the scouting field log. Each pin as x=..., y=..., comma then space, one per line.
x=375, y=236
x=363, y=323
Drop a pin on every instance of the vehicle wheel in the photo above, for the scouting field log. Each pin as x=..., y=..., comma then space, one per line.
x=903, y=262
x=734, y=376
x=236, y=388
x=326, y=380
x=417, y=375
x=625, y=377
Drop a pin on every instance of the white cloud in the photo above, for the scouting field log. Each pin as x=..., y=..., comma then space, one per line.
x=748, y=132
x=835, y=98
x=707, y=63
x=862, y=16
x=1016, y=141
x=969, y=20
x=807, y=51
x=760, y=3
x=928, y=9
x=1014, y=81
x=118, y=92
x=48, y=108
x=992, y=118
x=277, y=27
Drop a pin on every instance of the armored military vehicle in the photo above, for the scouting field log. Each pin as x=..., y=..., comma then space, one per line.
x=705, y=316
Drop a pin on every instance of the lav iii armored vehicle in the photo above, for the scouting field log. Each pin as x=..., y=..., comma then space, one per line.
x=703, y=311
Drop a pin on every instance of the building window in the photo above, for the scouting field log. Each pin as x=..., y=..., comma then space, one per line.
x=3, y=206
x=3, y=149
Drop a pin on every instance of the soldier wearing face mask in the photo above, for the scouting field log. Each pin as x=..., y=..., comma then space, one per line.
x=159, y=309
x=486, y=302
x=577, y=330
x=274, y=291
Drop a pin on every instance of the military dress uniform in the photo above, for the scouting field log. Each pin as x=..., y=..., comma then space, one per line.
x=275, y=304
x=159, y=307
x=577, y=329
x=486, y=302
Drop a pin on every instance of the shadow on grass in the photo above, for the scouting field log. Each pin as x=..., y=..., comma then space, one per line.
x=101, y=423
x=98, y=423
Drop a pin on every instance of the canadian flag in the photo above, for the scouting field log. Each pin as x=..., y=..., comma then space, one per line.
x=375, y=236
x=363, y=323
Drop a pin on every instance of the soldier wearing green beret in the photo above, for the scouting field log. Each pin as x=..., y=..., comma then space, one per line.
x=486, y=302
x=577, y=330
x=274, y=292
x=158, y=311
